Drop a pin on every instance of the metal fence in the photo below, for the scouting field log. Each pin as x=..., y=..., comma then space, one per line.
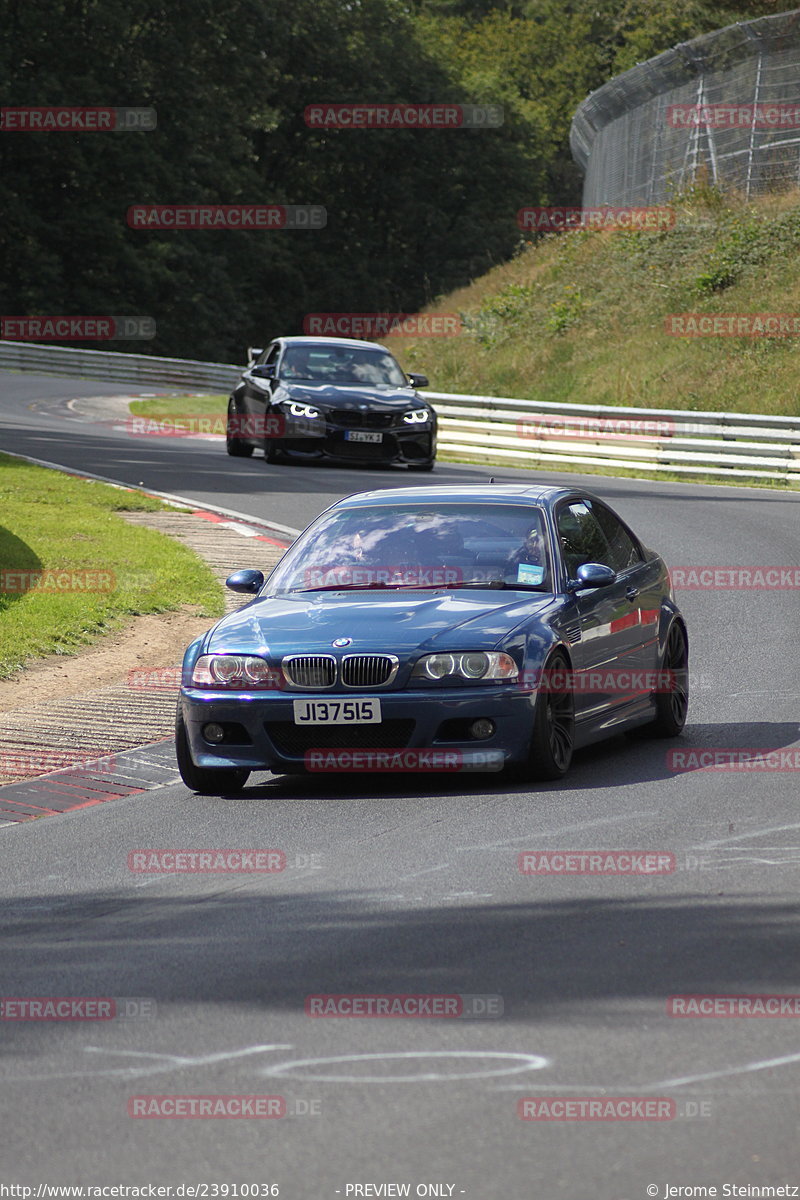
x=524, y=433
x=724, y=107
x=123, y=368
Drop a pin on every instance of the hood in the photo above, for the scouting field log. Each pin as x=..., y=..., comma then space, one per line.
x=351, y=396
x=388, y=622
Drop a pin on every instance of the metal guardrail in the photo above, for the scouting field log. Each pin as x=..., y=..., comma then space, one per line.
x=127, y=368
x=535, y=433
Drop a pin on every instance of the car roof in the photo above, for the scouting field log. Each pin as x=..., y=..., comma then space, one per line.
x=330, y=341
x=541, y=494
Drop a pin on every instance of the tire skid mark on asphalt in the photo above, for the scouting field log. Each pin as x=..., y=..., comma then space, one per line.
x=622, y=819
x=737, y=837
x=760, y=1065
x=166, y=1063
x=530, y=1062
x=660, y=1084
x=424, y=871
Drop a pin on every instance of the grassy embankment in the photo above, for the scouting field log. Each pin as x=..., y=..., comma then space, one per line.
x=98, y=571
x=580, y=318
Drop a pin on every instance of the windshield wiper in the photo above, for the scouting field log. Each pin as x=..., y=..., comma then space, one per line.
x=381, y=586
x=340, y=587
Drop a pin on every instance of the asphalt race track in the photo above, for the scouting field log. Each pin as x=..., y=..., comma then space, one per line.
x=411, y=885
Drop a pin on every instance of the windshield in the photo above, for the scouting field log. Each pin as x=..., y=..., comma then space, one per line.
x=341, y=364
x=419, y=545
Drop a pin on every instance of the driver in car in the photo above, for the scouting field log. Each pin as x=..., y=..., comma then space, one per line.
x=370, y=371
x=296, y=365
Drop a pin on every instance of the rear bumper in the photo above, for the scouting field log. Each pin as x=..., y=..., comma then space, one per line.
x=266, y=737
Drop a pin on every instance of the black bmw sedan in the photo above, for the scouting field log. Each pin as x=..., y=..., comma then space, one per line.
x=312, y=398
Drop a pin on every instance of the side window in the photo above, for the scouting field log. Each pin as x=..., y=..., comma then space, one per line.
x=270, y=355
x=582, y=538
x=624, y=551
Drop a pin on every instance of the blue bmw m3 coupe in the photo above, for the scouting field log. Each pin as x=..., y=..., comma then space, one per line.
x=437, y=628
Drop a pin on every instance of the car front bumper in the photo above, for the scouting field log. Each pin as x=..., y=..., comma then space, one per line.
x=264, y=736
x=397, y=445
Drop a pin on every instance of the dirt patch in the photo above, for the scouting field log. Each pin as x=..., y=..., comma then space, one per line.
x=153, y=641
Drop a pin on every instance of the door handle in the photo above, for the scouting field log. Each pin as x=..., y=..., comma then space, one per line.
x=632, y=593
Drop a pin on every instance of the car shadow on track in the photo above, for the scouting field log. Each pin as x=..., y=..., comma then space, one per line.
x=551, y=958
x=622, y=760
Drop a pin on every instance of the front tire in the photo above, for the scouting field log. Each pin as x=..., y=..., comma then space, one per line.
x=272, y=453
x=553, y=735
x=426, y=466
x=207, y=781
x=672, y=705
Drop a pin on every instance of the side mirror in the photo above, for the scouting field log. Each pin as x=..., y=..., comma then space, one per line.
x=253, y=353
x=418, y=381
x=265, y=371
x=247, y=581
x=595, y=575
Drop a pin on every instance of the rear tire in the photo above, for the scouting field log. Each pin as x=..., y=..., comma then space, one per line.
x=236, y=446
x=553, y=736
x=428, y=466
x=208, y=781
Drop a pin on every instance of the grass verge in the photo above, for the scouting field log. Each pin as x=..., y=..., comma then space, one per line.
x=184, y=411
x=73, y=570
x=581, y=317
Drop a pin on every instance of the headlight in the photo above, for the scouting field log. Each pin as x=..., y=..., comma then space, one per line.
x=234, y=671
x=417, y=416
x=296, y=409
x=474, y=665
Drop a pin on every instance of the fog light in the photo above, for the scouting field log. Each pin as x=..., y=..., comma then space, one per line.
x=213, y=733
x=482, y=728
